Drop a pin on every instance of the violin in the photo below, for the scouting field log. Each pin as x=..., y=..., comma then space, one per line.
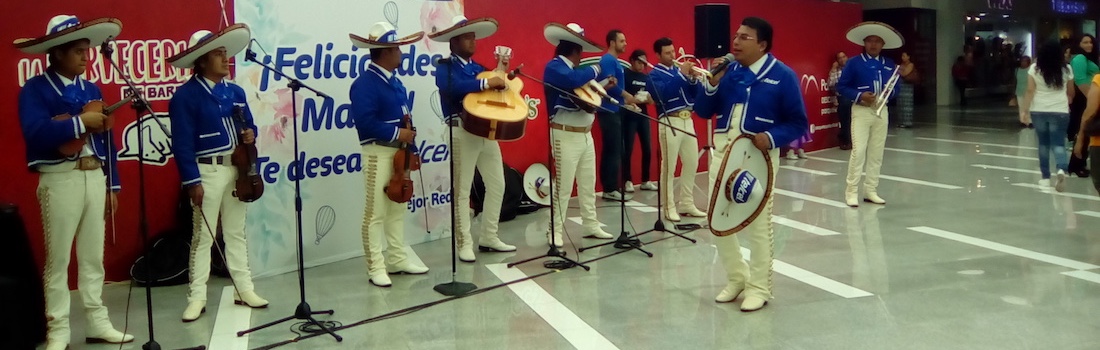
x=73, y=147
x=249, y=186
x=405, y=161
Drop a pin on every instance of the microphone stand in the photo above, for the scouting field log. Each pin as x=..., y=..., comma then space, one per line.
x=140, y=104
x=626, y=240
x=303, y=311
x=454, y=287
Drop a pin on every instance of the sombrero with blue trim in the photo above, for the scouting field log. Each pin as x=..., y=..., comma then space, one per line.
x=555, y=33
x=481, y=27
x=383, y=35
x=233, y=38
x=65, y=28
x=741, y=189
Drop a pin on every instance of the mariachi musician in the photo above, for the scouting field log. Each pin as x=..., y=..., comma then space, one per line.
x=210, y=118
x=456, y=78
x=381, y=110
x=77, y=187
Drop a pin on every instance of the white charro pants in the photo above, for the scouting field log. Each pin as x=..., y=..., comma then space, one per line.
x=381, y=216
x=868, y=141
x=574, y=159
x=756, y=275
x=219, y=202
x=72, y=204
x=472, y=151
x=676, y=145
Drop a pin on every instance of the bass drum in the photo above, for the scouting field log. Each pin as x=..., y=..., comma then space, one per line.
x=513, y=194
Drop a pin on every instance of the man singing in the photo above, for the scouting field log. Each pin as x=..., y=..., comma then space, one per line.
x=210, y=117
x=674, y=90
x=77, y=181
x=571, y=126
x=865, y=77
x=456, y=78
x=380, y=107
x=774, y=114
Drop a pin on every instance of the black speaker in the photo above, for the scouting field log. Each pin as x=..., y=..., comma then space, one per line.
x=712, y=30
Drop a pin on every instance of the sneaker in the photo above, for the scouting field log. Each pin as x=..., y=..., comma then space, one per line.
x=1044, y=182
x=1060, y=181
x=614, y=196
x=801, y=153
x=629, y=186
x=791, y=155
x=649, y=186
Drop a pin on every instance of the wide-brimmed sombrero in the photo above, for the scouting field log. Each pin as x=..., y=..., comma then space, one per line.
x=536, y=183
x=889, y=35
x=383, y=35
x=741, y=189
x=65, y=28
x=233, y=38
x=481, y=27
x=556, y=32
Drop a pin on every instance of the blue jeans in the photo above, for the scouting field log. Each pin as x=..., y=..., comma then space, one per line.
x=1051, y=130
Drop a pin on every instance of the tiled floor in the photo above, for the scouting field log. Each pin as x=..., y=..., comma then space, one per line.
x=968, y=254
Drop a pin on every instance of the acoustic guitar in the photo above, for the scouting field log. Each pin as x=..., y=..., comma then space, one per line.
x=497, y=114
x=590, y=96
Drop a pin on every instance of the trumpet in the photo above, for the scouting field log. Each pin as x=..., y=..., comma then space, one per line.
x=696, y=69
x=685, y=56
x=884, y=95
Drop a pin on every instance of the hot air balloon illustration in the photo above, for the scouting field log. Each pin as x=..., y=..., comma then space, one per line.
x=390, y=11
x=326, y=217
x=437, y=106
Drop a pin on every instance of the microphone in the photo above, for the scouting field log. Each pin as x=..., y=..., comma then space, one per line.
x=512, y=74
x=441, y=60
x=105, y=48
x=250, y=55
x=722, y=66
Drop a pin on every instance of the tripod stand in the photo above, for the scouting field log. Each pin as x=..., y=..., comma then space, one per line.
x=303, y=311
x=625, y=240
x=140, y=105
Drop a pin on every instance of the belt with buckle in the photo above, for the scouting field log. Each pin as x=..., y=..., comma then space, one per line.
x=570, y=128
x=216, y=160
x=682, y=114
x=88, y=163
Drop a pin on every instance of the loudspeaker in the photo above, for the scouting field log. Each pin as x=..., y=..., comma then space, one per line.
x=712, y=30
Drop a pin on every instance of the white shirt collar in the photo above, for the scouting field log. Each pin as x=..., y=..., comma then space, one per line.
x=461, y=60
x=759, y=64
x=210, y=83
x=389, y=74
x=65, y=80
x=567, y=61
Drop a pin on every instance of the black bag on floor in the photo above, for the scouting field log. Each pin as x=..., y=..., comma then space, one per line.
x=513, y=193
x=24, y=325
x=169, y=259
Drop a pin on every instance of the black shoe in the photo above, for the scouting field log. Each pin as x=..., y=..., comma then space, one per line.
x=1082, y=173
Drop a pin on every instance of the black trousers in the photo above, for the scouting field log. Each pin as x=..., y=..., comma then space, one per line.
x=844, y=113
x=611, y=155
x=637, y=126
x=1076, y=109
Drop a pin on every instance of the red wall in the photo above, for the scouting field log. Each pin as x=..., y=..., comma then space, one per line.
x=807, y=34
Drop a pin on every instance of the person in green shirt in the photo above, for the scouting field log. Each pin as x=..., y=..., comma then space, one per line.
x=1084, y=66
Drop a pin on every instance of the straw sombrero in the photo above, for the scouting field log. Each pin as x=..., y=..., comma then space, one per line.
x=481, y=27
x=889, y=35
x=65, y=28
x=741, y=189
x=233, y=38
x=556, y=33
x=383, y=35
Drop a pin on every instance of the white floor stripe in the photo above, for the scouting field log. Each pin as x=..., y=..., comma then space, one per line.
x=973, y=132
x=1034, y=158
x=567, y=323
x=230, y=319
x=1089, y=213
x=917, y=152
x=1004, y=248
x=810, y=198
x=577, y=219
x=813, y=279
x=1085, y=275
x=645, y=208
x=1047, y=189
x=830, y=160
x=806, y=170
x=974, y=143
x=918, y=182
x=1017, y=170
x=798, y=225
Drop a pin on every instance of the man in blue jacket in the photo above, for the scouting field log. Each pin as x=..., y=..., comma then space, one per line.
x=455, y=78
x=674, y=90
x=571, y=128
x=78, y=185
x=759, y=96
x=380, y=107
x=864, y=78
x=210, y=117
